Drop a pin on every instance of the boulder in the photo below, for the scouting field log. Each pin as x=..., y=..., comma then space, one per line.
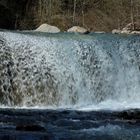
x=78, y=29
x=47, y=28
x=126, y=32
x=129, y=27
x=116, y=31
x=135, y=32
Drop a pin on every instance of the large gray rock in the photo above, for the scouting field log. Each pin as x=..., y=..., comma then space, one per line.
x=126, y=31
x=48, y=29
x=116, y=31
x=78, y=29
x=135, y=32
x=129, y=27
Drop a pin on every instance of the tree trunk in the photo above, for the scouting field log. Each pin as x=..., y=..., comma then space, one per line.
x=132, y=14
x=83, y=14
x=74, y=11
x=50, y=10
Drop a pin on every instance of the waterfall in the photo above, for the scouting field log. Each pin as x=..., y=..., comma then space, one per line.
x=69, y=70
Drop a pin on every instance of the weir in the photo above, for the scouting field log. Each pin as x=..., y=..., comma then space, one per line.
x=69, y=70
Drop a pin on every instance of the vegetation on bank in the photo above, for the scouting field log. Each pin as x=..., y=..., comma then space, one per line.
x=96, y=15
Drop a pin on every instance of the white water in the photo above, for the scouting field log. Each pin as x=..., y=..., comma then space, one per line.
x=69, y=71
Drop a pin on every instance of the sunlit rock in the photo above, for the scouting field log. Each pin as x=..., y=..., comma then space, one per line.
x=131, y=28
x=135, y=32
x=47, y=28
x=78, y=29
x=116, y=31
x=125, y=31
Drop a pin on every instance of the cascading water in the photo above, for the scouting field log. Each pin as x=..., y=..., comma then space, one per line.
x=69, y=70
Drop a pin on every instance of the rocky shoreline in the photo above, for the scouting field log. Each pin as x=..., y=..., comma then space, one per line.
x=46, y=28
x=128, y=29
x=77, y=29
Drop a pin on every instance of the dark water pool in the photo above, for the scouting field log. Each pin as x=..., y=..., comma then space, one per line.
x=23, y=124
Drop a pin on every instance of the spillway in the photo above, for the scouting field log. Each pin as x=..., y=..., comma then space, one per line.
x=69, y=70
x=69, y=86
